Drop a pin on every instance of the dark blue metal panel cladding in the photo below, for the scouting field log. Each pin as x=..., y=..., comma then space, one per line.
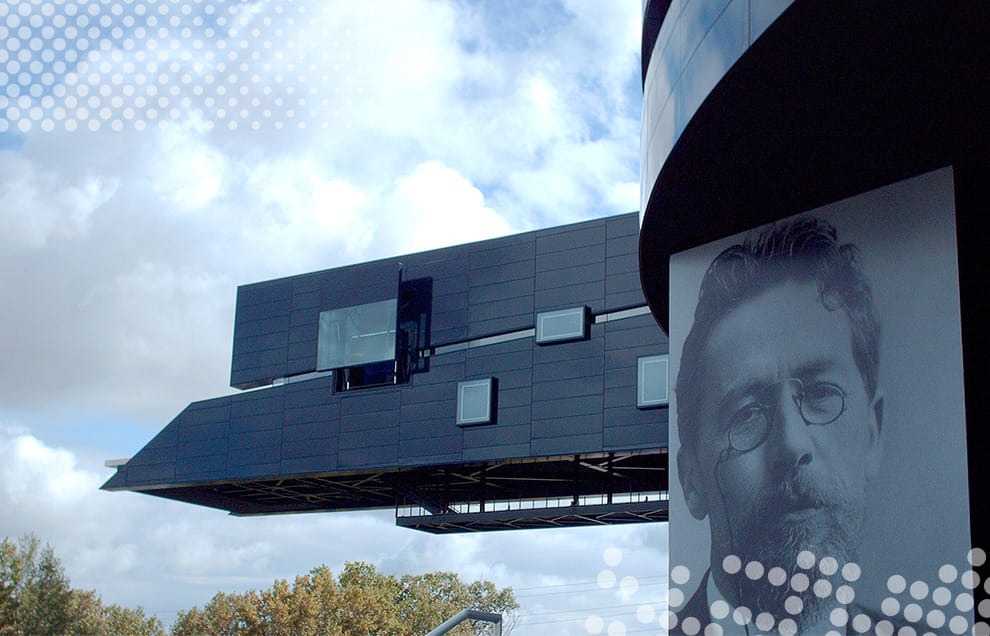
x=625, y=428
x=500, y=285
x=560, y=399
x=276, y=324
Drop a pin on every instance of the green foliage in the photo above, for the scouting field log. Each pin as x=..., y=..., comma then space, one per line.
x=36, y=600
x=360, y=601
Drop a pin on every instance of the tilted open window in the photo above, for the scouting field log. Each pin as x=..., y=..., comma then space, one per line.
x=359, y=343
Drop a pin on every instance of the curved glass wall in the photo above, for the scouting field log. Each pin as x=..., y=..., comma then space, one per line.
x=698, y=41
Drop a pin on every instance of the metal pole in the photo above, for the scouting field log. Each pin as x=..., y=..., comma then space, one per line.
x=469, y=615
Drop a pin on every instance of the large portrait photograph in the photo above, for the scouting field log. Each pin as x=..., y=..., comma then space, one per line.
x=817, y=438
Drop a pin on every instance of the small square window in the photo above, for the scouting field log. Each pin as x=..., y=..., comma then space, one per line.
x=652, y=381
x=476, y=401
x=561, y=325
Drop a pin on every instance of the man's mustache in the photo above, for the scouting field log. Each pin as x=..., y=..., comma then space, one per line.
x=798, y=492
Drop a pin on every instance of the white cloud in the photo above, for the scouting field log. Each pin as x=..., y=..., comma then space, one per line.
x=161, y=316
x=435, y=123
x=38, y=477
x=188, y=172
x=37, y=206
x=130, y=343
x=303, y=213
x=435, y=206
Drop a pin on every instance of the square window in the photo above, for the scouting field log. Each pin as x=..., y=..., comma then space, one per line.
x=476, y=401
x=652, y=380
x=561, y=325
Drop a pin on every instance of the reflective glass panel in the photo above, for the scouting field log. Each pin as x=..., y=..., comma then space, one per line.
x=474, y=401
x=563, y=324
x=353, y=336
x=652, y=381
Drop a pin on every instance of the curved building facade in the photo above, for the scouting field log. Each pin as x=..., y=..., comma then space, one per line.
x=753, y=109
x=868, y=115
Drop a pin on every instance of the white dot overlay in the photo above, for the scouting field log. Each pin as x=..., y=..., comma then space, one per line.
x=133, y=63
x=851, y=572
x=861, y=623
x=915, y=608
x=613, y=557
x=719, y=609
x=793, y=605
x=977, y=557
x=754, y=570
x=806, y=559
x=777, y=576
x=896, y=584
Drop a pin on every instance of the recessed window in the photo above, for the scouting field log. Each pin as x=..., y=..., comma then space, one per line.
x=652, y=381
x=354, y=336
x=476, y=401
x=562, y=325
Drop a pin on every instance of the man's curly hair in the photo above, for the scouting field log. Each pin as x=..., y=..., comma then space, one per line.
x=804, y=250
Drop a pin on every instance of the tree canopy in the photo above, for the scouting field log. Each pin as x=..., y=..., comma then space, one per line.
x=36, y=600
x=360, y=600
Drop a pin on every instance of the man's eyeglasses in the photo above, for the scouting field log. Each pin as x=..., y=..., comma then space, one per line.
x=819, y=403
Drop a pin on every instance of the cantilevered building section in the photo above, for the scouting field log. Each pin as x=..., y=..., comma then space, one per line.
x=519, y=382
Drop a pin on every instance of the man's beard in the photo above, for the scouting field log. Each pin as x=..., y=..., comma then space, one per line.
x=766, y=537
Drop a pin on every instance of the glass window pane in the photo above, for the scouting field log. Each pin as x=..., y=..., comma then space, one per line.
x=652, y=381
x=560, y=325
x=474, y=401
x=352, y=336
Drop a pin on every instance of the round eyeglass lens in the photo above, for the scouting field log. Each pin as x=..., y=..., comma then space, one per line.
x=748, y=428
x=821, y=403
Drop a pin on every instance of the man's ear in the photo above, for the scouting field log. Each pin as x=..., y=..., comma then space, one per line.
x=689, y=475
x=874, y=446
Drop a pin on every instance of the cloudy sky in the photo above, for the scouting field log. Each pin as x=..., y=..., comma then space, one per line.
x=155, y=154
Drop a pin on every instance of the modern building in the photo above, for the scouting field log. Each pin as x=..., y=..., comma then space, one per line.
x=517, y=382
x=506, y=383
x=758, y=110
